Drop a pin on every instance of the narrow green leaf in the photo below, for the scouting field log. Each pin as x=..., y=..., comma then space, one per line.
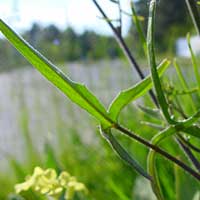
x=155, y=113
x=133, y=93
x=183, y=83
x=152, y=125
x=117, y=190
x=139, y=28
x=151, y=166
x=188, y=122
x=193, y=131
x=78, y=93
x=194, y=61
x=185, y=126
x=152, y=63
x=194, y=13
x=180, y=75
x=50, y=158
x=123, y=154
x=17, y=168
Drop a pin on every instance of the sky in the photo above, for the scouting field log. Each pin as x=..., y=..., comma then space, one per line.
x=79, y=14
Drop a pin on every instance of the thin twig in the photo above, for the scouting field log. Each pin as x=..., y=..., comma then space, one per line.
x=160, y=151
x=189, y=154
x=193, y=147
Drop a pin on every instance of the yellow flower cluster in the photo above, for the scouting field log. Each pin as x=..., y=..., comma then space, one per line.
x=47, y=182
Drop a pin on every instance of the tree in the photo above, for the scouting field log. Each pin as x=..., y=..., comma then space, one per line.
x=69, y=46
x=51, y=33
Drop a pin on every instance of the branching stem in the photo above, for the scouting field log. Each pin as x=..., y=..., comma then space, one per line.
x=160, y=151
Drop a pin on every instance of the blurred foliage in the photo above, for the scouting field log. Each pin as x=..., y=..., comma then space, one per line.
x=61, y=46
x=95, y=164
x=173, y=19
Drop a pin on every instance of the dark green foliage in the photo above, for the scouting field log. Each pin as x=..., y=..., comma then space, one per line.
x=172, y=19
x=61, y=46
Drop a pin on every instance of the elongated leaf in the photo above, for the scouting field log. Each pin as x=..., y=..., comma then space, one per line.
x=117, y=190
x=193, y=130
x=180, y=75
x=155, y=113
x=123, y=154
x=194, y=13
x=139, y=28
x=152, y=62
x=194, y=61
x=183, y=83
x=151, y=166
x=50, y=158
x=78, y=93
x=17, y=168
x=153, y=125
x=131, y=94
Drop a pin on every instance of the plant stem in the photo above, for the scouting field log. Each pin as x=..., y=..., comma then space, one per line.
x=194, y=148
x=194, y=13
x=120, y=18
x=189, y=154
x=159, y=150
x=152, y=63
x=126, y=51
x=134, y=64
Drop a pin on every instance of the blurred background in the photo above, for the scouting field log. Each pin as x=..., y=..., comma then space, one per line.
x=40, y=127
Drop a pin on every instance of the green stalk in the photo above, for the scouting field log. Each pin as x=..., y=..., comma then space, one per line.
x=194, y=13
x=183, y=82
x=151, y=167
x=159, y=150
x=152, y=63
x=139, y=28
x=156, y=140
x=194, y=61
x=180, y=75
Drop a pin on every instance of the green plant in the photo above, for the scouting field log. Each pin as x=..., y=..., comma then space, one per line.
x=176, y=125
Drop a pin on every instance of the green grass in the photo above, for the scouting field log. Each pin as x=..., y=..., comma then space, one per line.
x=67, y=149
x=73, y=150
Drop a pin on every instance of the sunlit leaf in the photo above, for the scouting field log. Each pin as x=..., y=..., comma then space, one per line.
x=136, y=20
x=194, y=13
x=123, y=154
x=152, y=63
x=194, y=61
x=78, y=93
x=193, y=131
x=155, y=113
x=131, y=94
